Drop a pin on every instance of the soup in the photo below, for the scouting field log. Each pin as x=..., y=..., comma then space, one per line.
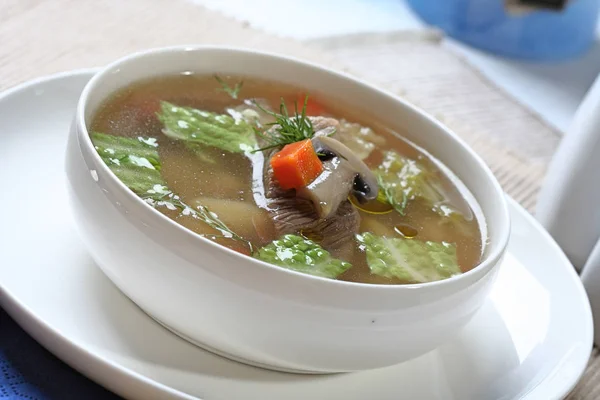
x=300, y=181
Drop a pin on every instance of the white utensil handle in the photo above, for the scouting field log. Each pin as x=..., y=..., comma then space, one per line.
x=591, y=281
x=569, y=202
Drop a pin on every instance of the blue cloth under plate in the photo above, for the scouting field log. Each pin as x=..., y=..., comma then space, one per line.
x=28, y=371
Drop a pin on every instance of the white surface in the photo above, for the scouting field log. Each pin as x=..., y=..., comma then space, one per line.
x=552, y=91
x=352, y=326
x=531, y=340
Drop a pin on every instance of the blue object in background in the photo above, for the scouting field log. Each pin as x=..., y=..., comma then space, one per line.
x=544, y=35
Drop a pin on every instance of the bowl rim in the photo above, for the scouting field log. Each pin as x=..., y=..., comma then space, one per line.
x=83, y=136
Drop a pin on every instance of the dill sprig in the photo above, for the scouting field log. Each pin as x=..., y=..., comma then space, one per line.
x=288, y=129
x=231, y=91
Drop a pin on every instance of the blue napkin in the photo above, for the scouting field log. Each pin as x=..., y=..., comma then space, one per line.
x=28, y=371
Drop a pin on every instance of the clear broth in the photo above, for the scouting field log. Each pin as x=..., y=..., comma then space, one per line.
x=226, y=188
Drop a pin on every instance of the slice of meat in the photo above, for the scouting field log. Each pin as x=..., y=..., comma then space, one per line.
x=343, y=173
x=292, y=214
x=332, y=223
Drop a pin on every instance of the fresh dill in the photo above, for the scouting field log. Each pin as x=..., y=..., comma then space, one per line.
x=287, y=129
x=231, y=91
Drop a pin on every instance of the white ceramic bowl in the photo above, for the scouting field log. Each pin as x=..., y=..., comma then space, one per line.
x=249, y=310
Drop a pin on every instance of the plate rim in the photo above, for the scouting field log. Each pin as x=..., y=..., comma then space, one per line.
x=53, y=339
x=127, y=382
x=578, y=284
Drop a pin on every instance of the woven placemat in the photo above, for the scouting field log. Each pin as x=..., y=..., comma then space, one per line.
x=59, y=35
x=515, y=143
x=42, y=37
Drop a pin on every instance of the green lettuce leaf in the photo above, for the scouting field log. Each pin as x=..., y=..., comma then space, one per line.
x=207, y=128
x=402, y=179
x=409, y=260
x=302, y=255
x=135, y=161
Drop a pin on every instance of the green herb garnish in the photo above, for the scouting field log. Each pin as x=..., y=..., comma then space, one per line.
x=287, y=129
x=231, y=91
x=136, y=162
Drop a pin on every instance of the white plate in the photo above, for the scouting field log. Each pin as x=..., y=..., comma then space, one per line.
x=532, y=339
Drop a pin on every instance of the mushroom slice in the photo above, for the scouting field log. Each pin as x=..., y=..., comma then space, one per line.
x=343, y=173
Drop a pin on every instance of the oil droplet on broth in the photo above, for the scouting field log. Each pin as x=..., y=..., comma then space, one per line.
x=371, y=207
x=407, y=231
